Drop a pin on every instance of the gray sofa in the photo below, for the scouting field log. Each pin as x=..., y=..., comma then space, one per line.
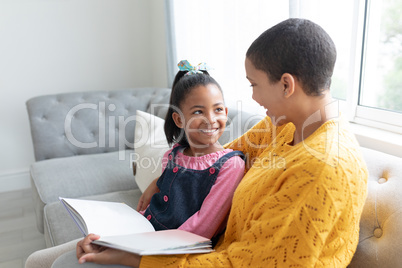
x=82, y=143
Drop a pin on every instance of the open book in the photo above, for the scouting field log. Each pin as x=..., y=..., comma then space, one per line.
x=122, y=227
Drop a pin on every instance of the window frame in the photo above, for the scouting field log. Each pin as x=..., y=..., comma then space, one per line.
x=360, y=114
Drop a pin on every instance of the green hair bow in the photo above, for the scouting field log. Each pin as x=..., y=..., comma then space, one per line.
x=184, y=65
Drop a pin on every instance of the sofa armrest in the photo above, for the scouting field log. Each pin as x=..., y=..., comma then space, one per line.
x=79, y=176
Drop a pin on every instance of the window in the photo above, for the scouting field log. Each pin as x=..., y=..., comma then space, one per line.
x=380, y=96
x=382, y=76
x=368, y=35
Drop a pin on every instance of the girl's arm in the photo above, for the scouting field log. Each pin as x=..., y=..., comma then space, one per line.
x=210, y=219
x=152, y=189
x=146, y=197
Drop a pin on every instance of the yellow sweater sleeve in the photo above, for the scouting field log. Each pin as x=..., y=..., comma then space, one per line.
x=298, y=206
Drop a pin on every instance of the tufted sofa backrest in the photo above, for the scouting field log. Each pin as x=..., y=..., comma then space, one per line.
x=90, y=122
x=380, y=242
x=94, y=122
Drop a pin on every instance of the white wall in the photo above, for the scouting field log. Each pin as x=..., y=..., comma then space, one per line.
x=54, y=46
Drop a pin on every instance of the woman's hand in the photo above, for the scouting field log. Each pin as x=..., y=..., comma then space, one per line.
x=85, y=246
x=88, y=252
x=145, y=198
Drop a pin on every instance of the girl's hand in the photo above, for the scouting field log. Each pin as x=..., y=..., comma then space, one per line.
x=88, y=252
x=145, y=198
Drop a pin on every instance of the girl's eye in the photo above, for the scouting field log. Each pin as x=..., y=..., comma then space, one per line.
x=197, y=112
x=252, y=85
x=219, y=109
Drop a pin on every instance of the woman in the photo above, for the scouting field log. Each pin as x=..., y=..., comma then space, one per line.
x=300, y=202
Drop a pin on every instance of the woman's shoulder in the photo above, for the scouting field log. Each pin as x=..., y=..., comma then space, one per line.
x=335, y=162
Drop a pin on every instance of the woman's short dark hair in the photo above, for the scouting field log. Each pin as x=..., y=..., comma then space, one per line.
x=298, y=47
x=182, y=86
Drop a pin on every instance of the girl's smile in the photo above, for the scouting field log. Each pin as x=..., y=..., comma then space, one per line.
x=209, y=131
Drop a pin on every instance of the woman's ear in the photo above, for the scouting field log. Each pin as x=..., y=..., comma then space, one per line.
x=177, y=120
x=288, y=82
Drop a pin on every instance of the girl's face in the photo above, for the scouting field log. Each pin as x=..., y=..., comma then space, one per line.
x=266, y=93
x=203, y=116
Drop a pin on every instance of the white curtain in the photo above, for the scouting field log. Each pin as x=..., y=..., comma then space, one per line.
x=171, y=41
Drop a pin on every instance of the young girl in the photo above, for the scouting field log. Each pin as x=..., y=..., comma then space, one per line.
x=195, y=190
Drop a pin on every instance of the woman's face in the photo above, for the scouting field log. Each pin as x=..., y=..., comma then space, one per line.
x=266, y=93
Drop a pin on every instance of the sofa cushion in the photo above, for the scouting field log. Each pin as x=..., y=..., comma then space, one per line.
x=79, y=176
x=61, y=228
x=150, y=145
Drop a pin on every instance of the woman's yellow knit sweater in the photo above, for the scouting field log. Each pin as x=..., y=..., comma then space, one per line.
x=297, y=206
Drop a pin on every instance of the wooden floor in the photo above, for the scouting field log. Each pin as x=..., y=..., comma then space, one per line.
x=19, y=236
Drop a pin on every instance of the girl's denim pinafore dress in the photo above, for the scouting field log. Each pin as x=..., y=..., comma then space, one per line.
x=182, y=191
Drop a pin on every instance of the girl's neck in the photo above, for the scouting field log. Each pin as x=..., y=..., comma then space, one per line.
x=201, y=150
